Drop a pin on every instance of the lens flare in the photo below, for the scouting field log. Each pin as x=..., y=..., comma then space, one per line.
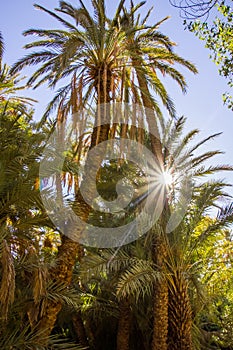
x=166, y=178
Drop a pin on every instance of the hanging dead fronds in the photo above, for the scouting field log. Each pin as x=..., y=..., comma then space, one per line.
x=7, y=289
x=40, y=280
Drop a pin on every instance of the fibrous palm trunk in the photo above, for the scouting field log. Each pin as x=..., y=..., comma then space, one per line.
x=124, y=325
x=160, y=299
x=180, y=314
x=80, y=329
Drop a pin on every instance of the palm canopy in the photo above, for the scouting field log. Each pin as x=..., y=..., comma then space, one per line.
x=10, y=85
x=151, y=52
x=88, y=51
x=101, y=54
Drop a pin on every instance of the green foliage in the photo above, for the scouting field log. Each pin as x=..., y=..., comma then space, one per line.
x=218, y=38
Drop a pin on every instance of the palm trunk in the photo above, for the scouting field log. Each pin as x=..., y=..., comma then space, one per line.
x=160, y=300
x=160, y=325
x=172, y=311
x=80, y=329
x=180, y=314
x=62, y=274
x=124, y=325
x=70, y=250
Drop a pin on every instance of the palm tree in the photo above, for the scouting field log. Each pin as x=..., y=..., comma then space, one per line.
x=151, y=52
x=89, y=52
x=178, y=267
x=182, y=268
x=18, y=171
x=24, y=226
x=178, y=257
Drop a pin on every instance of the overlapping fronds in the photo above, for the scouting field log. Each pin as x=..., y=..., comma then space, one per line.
x=25, y=338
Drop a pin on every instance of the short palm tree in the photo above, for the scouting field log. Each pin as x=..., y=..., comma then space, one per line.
x=180, y=160
x=24, y=225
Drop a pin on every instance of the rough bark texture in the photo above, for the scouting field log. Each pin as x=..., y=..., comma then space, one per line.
x=180, y=315
x=62, y=273
x=160, y=324
x=124, y=326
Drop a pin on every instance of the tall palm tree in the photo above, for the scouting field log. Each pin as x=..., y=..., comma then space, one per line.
x=151, y=52
x=89, y=52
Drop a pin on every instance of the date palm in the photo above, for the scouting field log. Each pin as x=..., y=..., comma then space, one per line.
x=178, y=266
x=88, y=52
x=23, y=223
x=151, y=52
x=178, y=261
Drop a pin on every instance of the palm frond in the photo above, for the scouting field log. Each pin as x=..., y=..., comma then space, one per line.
x=1, y=46
x=60, y=19
x=138, y=280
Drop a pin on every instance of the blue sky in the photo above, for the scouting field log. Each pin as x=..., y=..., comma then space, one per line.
x=202, y=104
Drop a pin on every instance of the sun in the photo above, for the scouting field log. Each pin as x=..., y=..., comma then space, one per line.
x=166, y=178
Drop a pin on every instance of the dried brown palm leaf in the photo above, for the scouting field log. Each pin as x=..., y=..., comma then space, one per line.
x=7, y=289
